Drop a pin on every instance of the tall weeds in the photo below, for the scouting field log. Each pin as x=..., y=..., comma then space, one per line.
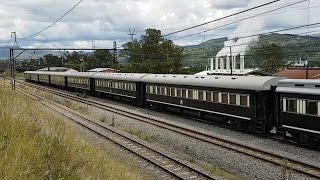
x=34, y=144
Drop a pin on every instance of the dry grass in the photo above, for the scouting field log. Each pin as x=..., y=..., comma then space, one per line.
x=34, y=144
x=140, y=134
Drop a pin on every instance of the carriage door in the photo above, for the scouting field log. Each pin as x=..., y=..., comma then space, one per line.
x=260, y=105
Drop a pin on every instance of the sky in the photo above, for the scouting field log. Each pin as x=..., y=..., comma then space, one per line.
x=106, y=21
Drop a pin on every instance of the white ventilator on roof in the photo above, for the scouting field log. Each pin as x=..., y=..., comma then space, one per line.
x=256, y=83
x=80, y=74
x=299, y=86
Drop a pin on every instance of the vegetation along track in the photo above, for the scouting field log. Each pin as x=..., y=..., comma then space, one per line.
x=301, y=167
x=165, y=161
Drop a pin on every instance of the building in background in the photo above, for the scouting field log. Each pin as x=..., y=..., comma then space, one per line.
x=300, y=73
x=57, y=69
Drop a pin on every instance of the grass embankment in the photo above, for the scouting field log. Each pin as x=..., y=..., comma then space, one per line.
x=34, y=144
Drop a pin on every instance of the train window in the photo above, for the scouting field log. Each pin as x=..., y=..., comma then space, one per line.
x=215, y=97
x=184, y=93
x=243, y=100
x=179, y=93
x=148, y=89
x=292, y=105
x=224, y=97
x=312, y=107
x=173, y=91
x=158, y=90
x=201, y=95
x=134, y=87
x=168, y=91
x=209, y=96
x=163, y=91
x=190, y=94
x=154, y=89
x=233, y=99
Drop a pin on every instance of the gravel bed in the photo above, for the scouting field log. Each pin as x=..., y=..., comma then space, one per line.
x=195, y=151
x=268, y=144
x=148, y=170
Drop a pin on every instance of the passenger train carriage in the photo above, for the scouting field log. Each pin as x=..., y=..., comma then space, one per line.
x=243, y=101
x=125, y=86
x=254, y=103
x=300, y=108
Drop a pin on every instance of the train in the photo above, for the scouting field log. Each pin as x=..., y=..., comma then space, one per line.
x=259, y=104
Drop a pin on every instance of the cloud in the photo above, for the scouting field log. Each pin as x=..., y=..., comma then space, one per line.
x=106, y=21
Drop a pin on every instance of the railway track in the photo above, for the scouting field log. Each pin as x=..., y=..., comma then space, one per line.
x=177, y=168
x=298, y=166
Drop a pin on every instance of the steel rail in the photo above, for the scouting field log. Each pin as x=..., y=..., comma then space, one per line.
x=299, y=166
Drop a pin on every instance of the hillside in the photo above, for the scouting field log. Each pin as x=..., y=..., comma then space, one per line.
x=198, y=55
x=294, y=46
x=4, y=53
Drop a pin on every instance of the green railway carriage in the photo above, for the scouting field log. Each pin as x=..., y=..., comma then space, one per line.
x=79, y=81
x=242, y=101
x=299, y=108
x=58, y=78
x=124, y=86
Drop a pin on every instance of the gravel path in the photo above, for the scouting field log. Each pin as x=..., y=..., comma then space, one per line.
x=200, y=152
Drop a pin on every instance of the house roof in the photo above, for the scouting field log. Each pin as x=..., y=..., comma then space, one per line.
x=300, y=73
x=54, y=69
x=101, y=69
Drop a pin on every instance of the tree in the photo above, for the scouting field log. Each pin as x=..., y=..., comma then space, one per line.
x=268, y=57
x=101, y=58
x=74, y=60
x=53, y=61
x=152, y=54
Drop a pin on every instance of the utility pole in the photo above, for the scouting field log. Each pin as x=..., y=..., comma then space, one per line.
x=231, y=60
x=94, y=54
x=14, y=35
x=114, y=54
x=132, y=33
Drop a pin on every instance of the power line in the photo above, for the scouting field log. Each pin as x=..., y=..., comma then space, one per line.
x=184, y=23
x=53, y=22
x=250, y=17
x=225, y=17
x=259, y=34
x=132, y=33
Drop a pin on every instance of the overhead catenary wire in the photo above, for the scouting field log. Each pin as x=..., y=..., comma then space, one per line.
x=225, y=17
x=184, y=23
x=259, y=34
x=234, y=22
x=53, y=22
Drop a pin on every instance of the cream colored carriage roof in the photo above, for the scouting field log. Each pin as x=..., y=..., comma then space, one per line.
x=257, y=83
x=299, y=86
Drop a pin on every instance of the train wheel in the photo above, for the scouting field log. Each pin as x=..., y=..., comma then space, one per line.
x=199, y=114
